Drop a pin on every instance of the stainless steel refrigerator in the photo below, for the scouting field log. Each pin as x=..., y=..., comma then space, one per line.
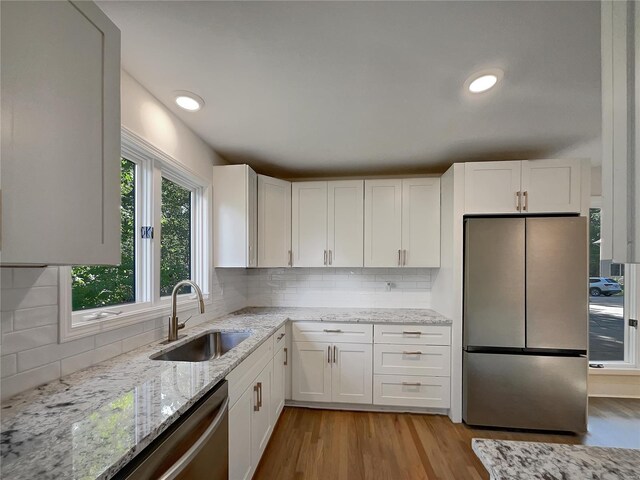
x=525, y=323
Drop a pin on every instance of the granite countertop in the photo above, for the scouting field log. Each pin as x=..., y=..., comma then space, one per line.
x=91, y=423
x=511, y=460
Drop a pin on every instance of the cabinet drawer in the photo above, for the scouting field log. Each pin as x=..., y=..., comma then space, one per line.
x=332, y=332
x=408, y=391
x=241, y=377
x=413, y=334
x=432, y=360
x=279, y=339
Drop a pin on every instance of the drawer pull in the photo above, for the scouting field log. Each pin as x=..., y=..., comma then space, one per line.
x=412, y=353
x=412, y=384
x=411, y=333
x=280, y=337
x=332, y=331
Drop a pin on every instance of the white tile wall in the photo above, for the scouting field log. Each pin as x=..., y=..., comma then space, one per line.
x=341, y=287
x=29, y=348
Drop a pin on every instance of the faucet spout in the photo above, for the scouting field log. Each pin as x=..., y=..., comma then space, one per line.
x=174, y=326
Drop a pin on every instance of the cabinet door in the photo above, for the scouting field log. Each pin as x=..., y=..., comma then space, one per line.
x=492, y=187
x=311, y=376
x=274, y=222
x=421, y=222
x=234, y=216
x=309, y=223
x=60, y=134
x=352, y=373
x=261, y=425
x=382, y=223
x=551, y=186
x=278, y=385
x=252, y=218
x=240, y=466
x=345, y=223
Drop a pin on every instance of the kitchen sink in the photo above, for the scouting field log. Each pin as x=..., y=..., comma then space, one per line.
x=204, y=347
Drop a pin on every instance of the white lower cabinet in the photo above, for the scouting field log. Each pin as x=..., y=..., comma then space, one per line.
x=332, y=372
x=278, y=382
x=256, y=396
x=261, y=425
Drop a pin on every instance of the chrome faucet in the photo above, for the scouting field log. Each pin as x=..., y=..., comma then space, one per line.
x=174, y=326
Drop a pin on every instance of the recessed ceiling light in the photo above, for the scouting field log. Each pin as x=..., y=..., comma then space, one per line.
x=188, y=101
x=483, y=81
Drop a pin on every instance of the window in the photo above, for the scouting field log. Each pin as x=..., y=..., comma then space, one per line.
x=165, y=239
x=175, y=241
x=611, y=338
x=97, y=286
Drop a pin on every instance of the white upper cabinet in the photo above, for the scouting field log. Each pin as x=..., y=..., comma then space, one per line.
x=383, y=223
x=274, y=222
x=528, y=186
x=492, y=187
x=327, y=223
x=345, y=223
x=235, y=215
x=309, y=224
x=60, y=134
x=421, y=222
x=402, y=223
x=550, y=186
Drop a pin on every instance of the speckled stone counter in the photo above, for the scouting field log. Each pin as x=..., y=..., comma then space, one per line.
x=550, y=461
x=91, y=423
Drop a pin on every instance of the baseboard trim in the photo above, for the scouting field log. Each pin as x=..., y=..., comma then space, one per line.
x=356, y=407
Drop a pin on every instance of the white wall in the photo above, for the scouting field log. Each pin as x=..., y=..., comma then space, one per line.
x=340, y=287
x=31, y=354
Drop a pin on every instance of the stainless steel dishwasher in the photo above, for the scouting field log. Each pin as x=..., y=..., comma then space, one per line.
x=196, y=447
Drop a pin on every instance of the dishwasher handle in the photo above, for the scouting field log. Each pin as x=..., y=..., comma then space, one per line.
x=190, y=454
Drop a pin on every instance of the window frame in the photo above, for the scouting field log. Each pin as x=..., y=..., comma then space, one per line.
x=631, y=310
x=151, y=165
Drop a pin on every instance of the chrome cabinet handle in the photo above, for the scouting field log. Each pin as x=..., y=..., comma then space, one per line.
x=259, y=395
x=329, y=354
x=399, y=260
x=412, y=384
x=332, y=331
x=185, y=460
x=411, y=333
x=280, y=337
x=256, y=407
x=335, y=356
x=286, y=356
x=290, y=258
x=325, y=257
x=412, y=353
x=525, y=194
x=330, y=257
x=404, y=257
x=518, y=209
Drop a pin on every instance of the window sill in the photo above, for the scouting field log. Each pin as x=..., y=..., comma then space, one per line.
x=631, y=371
x=72, y=331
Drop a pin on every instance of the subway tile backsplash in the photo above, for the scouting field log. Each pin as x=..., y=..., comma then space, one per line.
x=341, y=287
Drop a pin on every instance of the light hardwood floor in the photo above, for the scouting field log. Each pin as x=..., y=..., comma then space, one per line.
x=339, y=445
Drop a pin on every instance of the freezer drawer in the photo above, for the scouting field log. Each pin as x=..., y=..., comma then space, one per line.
x=525, y=391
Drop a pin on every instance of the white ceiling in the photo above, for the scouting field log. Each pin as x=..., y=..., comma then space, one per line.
x=336, y=88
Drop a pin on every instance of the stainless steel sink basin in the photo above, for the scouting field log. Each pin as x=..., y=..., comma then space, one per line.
x=204, y=347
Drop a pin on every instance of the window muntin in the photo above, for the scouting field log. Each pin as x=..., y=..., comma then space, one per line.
x=176, y=236
x=104, y=286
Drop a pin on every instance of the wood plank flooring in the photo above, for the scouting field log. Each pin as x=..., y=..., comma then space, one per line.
x=339, y=445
